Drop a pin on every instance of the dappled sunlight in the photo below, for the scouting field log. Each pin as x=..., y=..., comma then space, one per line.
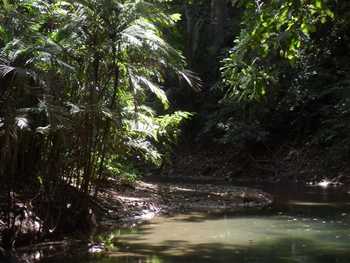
x=299, y=203
x=176, y=235
x=279, y=250
x=170, y=131
x=315, y=232
x=300, y=230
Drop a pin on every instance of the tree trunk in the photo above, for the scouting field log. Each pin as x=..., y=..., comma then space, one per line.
x=218, y=16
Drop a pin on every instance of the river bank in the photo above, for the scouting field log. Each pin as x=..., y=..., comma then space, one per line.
x=306, y=222
x=143, y=200
x=127, y=205
x=199, y=179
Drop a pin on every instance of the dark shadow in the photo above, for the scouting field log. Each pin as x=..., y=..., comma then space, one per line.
x=284, y=250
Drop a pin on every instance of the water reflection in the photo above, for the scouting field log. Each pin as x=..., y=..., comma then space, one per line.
x=307, y=225
x=281, y=250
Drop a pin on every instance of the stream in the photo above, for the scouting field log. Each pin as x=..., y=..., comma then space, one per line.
x=306, y=224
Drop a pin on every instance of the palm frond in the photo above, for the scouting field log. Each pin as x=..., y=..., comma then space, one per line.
x=137, y=81
x=5, y=70
x=191, y=78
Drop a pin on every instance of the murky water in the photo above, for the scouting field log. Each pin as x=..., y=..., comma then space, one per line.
x=308, y=224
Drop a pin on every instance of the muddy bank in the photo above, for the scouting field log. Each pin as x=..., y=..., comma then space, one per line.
x=119, y=205
x=144, y=200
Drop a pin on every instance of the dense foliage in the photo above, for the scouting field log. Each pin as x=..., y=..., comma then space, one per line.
x=286, y=78
x=81, y=96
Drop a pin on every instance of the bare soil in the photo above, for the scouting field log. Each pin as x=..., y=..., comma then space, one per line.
x=143, y=200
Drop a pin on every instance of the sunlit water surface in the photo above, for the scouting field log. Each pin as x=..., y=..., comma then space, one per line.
x=307, y=224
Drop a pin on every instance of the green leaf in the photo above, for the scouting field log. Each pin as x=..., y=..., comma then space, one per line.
x=6, y=4
x=160, y=94
x=330, y=13
x=318, y=4
x=176, y=17
x=305, y=29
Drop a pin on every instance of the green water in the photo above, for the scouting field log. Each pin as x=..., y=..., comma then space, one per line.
x=309, y=225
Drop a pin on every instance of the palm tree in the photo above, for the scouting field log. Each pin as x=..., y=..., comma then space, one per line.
x=124, y=58
x=93, y=71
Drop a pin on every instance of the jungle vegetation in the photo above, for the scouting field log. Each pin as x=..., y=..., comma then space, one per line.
x=92, y=89
x=81, y=99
